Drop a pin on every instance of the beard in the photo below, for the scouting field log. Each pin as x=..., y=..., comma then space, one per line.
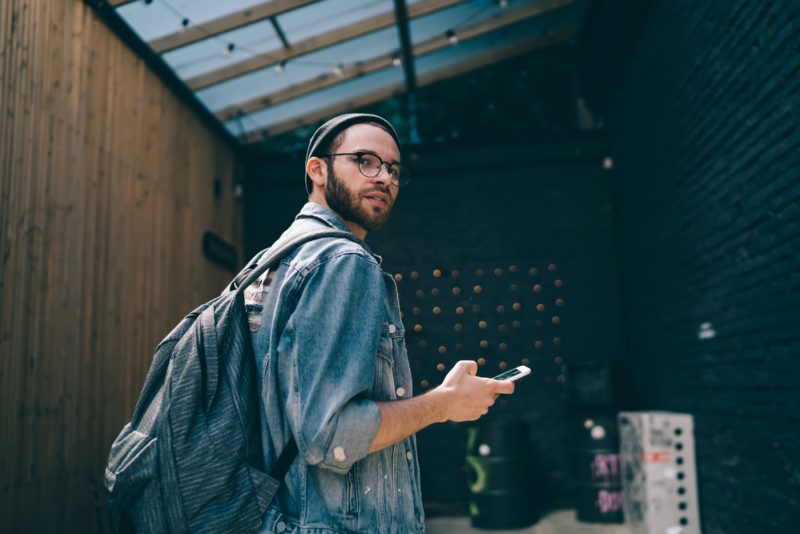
x=347, y=203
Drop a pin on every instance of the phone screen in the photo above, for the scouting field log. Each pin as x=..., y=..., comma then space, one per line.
x=512, y=373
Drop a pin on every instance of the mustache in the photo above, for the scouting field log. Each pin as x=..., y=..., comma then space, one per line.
x=385, y=190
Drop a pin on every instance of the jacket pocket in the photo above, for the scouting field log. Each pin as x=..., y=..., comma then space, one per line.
x=384, y=368
x=351, y=491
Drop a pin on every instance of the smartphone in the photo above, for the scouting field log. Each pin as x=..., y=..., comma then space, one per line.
x=514, y=374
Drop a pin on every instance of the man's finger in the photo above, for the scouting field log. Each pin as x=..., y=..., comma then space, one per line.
x=503, y=386
x=470, y=366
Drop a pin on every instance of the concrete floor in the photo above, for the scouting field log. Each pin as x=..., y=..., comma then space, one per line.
x=556, y=522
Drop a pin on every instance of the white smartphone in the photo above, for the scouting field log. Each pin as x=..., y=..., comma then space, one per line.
x=514, y=374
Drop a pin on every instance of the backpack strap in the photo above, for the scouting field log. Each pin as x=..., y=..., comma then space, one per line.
x=250, y=274
x=278, y=251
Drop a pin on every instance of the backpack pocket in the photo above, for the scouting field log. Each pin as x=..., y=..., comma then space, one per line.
x=132, y=466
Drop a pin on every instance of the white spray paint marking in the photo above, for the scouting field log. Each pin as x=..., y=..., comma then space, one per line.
x=339, y=455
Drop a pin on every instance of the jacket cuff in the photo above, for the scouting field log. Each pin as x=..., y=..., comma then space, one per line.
x=356, y=428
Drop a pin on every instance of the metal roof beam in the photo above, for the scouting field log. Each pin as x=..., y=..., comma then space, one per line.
x=378, y=22
x=479, y=29
x=407, y=59
x=226, y=23
x=458, y=68
x=282, y=36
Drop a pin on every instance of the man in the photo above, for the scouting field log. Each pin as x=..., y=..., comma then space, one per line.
x=333, y=364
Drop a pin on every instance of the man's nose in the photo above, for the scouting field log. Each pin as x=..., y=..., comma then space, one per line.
x=383, y=175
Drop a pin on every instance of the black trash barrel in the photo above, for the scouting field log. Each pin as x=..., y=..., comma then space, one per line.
x=596, y=468
x=595, y=390
x=498, y=464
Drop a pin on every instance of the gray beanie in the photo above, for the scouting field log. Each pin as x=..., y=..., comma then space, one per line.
x=333, y=127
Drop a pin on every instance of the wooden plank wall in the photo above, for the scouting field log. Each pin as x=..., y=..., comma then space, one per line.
x=105, y=192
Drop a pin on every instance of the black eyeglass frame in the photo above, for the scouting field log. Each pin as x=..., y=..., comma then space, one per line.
x=402, y=178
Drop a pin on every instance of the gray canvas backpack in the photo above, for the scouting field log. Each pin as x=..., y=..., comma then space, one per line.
x=190, y=460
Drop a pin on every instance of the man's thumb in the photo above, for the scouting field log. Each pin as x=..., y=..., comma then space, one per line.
x=468, y=366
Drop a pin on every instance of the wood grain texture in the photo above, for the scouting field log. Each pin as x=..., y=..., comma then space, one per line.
x=105, y=192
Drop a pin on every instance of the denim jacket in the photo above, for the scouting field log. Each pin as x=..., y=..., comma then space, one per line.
x=335, y=344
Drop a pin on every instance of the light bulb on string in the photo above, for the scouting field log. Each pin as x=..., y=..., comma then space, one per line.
x=396, y=61
x=229, y=50
x=451, y=36
x=280, y=67
x=184, y=24
x=338, y=70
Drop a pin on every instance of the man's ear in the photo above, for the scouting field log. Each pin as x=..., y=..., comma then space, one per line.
x=317, y=170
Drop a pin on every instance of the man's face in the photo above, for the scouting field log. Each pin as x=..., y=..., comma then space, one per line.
x=365, y=201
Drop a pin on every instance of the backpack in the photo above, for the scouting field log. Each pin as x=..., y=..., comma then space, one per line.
x=191, y=459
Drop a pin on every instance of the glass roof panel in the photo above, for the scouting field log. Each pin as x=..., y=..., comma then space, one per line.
x=301, y=69
x=459, y=16
x=327, y=15
x=316, y=101
x=468, y=50
x=465, y=52
x=163, y=17
x=209, y=54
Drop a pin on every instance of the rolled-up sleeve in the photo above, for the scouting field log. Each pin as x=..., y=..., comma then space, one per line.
x=328, y=351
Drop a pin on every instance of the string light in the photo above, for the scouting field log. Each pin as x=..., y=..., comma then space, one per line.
x=396, y=61
x=338, y=70
x=229, y=49
x=451, y=36
x=280, y=67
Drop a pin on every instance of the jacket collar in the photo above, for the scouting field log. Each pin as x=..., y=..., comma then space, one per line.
x=312, y=210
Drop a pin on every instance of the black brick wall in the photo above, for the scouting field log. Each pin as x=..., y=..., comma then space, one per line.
x=706, y=193
x=530, y=224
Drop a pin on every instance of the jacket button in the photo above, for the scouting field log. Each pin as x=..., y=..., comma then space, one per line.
x=392, y=329
x=281, y=526
x=408, y=455
x=401, y=392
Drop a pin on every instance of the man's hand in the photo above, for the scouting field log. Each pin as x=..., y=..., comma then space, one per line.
x=466, y=397
x=461, y=397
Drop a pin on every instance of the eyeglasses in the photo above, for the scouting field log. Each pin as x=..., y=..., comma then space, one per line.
x=370, y=166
